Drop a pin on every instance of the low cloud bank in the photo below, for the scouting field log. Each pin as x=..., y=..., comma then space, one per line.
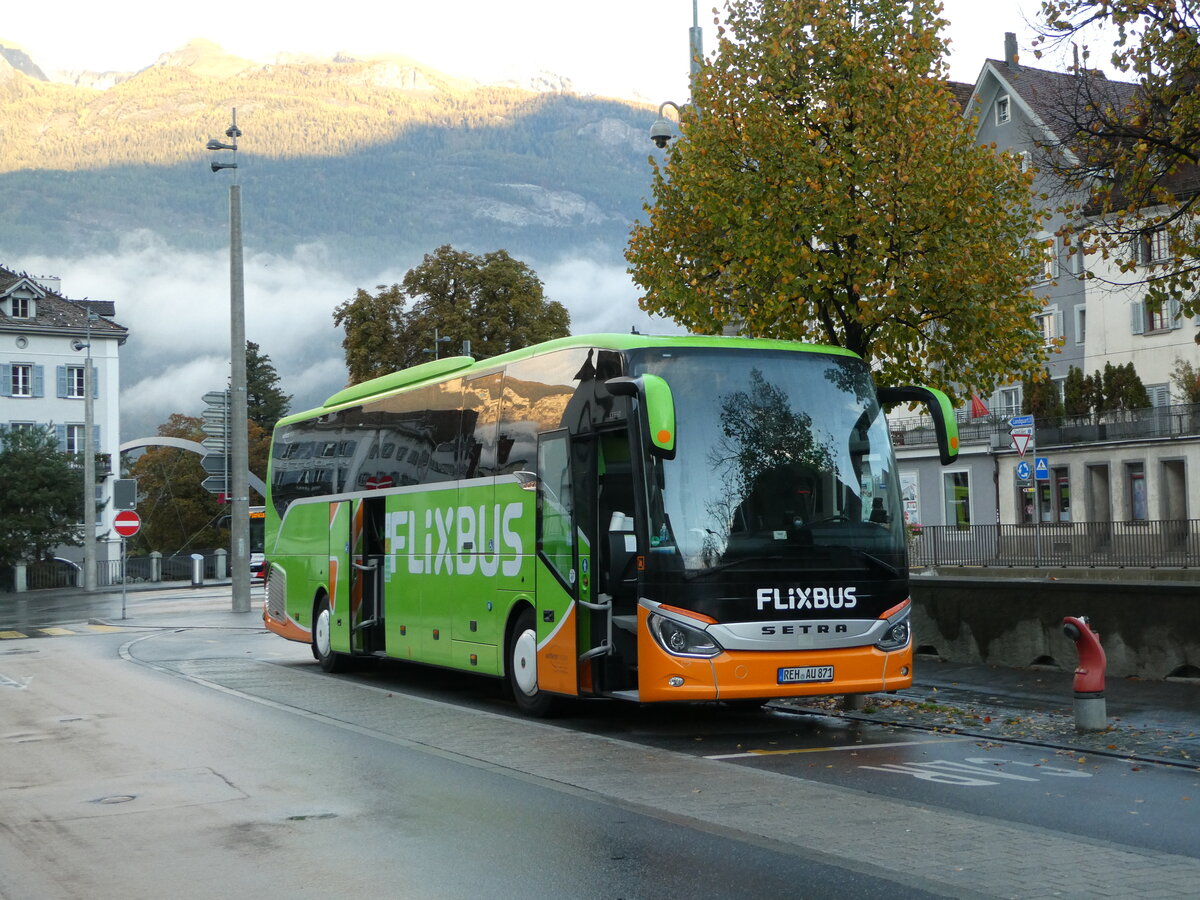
x=176, y=306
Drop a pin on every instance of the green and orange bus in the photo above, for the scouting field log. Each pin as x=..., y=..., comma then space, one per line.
x=648, y=518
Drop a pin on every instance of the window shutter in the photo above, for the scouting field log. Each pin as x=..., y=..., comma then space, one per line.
x=5, y=380
x=1138, y=310
x=1175, y=317
x=39, y=379
x=61, y=375
x=95, y=438
x=1059, y=330
x=60, y=434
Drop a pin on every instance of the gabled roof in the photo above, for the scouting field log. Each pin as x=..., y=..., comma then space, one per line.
x=54, y=311
x=1050, y=99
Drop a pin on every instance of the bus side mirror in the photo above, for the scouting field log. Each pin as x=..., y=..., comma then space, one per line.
x=657, y=405
x=940, y=411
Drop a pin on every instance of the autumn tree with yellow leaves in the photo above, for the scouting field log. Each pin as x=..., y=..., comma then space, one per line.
x=828, y=188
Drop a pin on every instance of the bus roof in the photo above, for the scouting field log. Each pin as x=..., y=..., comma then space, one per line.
x=465, y=365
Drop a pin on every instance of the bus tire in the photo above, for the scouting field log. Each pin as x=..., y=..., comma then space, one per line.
x=322, y=640
x=521, y=668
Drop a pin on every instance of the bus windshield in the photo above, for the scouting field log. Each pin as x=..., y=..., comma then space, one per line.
x=782, y=461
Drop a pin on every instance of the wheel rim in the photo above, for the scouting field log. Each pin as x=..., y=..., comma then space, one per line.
x=524, y=662
x=321, y=632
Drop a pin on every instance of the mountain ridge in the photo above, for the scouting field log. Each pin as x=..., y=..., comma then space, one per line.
x=391, y=154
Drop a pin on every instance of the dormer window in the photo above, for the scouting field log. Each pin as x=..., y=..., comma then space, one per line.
x=1003, y=110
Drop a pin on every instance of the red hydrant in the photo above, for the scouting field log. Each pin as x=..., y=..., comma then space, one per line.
x=1090, y=713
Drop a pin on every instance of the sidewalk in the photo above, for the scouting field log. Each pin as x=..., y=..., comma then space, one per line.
x=1151, y=721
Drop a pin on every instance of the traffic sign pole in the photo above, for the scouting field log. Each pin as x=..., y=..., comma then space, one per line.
x=123, y=578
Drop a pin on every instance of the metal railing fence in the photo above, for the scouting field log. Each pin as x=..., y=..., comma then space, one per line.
x=1155, y=544
x=1157, y=422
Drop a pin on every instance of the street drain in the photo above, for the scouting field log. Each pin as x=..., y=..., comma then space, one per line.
x=116, y=798
x=305, y=818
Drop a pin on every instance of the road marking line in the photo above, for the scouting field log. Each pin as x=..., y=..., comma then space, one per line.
x=7, y=635
x=104, y=628
x=753, y=753
x=56, y=632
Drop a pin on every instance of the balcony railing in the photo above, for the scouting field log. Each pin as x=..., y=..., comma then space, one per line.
x=1155, y=423
x=1158, y=544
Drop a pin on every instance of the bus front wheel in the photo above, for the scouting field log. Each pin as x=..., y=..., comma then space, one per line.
x=522, y=667
x=322, y=641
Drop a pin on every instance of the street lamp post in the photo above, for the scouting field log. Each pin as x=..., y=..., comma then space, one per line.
x=239, y=455
x=662, y=130
x=89, y=458
x=437, y=344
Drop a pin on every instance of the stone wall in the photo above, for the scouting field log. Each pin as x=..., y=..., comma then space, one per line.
x=1149, y=629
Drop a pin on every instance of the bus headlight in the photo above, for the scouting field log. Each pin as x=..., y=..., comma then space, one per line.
x=682, y=640
x=896, y=637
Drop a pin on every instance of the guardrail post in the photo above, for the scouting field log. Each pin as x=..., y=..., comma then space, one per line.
x=20, y=575
x=221, y=563
x=155, y=566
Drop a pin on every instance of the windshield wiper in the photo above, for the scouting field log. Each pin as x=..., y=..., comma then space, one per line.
x=867, y=557
x=712, y=570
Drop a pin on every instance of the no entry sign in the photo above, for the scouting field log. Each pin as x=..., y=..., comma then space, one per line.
x=126, y=523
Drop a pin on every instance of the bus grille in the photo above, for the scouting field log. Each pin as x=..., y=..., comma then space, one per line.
x=277, y=594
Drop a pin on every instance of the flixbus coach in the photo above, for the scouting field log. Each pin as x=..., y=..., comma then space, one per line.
x=648, y=518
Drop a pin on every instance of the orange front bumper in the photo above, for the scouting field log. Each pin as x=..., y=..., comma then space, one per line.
x=746, y=674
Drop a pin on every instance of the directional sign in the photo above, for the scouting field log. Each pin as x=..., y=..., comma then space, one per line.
x=126, y=523
x=214, y=463
x=215, y=484
x=215, y=445
x=1021, y=422
x=214, y=429
x=1041, y=468
x=216, y=398
x=1024, y=472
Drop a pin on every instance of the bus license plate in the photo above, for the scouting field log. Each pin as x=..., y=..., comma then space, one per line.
x=803, y=674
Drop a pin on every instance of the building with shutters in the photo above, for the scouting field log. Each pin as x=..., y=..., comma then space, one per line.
x=45, y=342
x=1130, y=467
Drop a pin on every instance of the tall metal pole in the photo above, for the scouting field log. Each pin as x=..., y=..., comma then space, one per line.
x=238, y=411
x=238, y=483
x=89, y=465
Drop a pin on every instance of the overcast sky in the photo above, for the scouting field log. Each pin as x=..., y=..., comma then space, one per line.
x=617, y=47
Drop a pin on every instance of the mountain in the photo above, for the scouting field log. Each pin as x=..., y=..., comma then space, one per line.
x=16, y=59
x=373, y=159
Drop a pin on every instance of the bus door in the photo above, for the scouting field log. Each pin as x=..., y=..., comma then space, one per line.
x=618, y=508
x=565, y=563
x=366, y=574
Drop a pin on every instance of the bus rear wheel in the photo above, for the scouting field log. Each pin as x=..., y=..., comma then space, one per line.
x=522, y=668
x=322, y=642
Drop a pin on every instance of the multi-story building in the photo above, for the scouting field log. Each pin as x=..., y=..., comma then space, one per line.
x=1131, y=467
x=45, y=342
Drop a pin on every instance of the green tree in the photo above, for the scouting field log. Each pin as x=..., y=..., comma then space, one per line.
x=1040, y=397
x=41, y=493
x=178, y=515
x=1076, y=399
x=494, y=301
x=1122, y=388
x=827, y=188
x=1186, y=378
x=266, y=403
x=1133, y=152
